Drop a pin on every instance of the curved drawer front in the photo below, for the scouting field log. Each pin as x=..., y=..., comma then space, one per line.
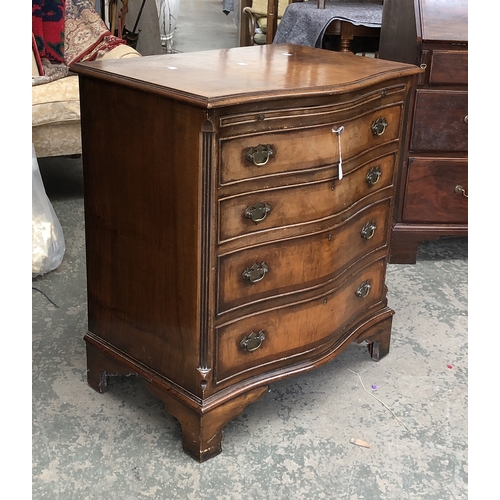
x=287, y=266
x=313, y=325
x=253, y=212
x=301, y=149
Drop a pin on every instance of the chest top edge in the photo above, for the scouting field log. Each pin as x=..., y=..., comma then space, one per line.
x=218, y=78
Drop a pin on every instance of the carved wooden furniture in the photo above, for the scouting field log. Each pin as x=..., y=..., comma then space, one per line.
x=303, y=23
x=238, y=234
x=431, y=199
x=348, y=31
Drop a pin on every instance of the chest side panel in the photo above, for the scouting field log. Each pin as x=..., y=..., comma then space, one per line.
x=142, y=216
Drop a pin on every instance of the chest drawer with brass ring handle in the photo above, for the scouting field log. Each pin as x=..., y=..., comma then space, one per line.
x=253, y=341
x=363, y=289
x=259, y=155
x=257, y=212
x=378, y=126
x=368, y=230
x=373, y=176
x=460, y=189
x=255, y=273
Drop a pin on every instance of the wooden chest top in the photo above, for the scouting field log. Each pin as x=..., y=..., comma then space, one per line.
x=244, y=74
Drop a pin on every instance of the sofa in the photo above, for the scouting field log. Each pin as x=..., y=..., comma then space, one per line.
x=55, y=93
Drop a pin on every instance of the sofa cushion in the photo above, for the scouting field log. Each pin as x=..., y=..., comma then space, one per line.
x=57, y=139
x=55, y=102
x=59, y=101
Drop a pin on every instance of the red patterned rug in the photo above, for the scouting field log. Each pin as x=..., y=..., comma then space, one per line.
x=47, y=18
x=69, y=31
x=85, y=33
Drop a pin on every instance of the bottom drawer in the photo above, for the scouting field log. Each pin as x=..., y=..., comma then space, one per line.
x=432, y=191
x=265, y=339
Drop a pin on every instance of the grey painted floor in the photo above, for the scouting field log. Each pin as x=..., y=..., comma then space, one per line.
x=291, y=444
x=202, y=25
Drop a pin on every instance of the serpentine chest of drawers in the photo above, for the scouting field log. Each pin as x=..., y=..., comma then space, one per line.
x=237, y=221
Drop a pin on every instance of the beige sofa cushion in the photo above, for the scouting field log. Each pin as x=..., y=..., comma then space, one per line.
x=56, y=111
x=57, y=139
x=59, y=101
x=56, y=102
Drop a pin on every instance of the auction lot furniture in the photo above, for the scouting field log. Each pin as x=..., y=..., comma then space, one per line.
x=238, y=233
x=431, y=196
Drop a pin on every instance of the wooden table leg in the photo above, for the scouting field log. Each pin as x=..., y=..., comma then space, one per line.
x=346, y=35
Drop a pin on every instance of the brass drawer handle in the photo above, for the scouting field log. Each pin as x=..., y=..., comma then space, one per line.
x=368, y=230
x=363, y=289
x=255, y=273
x=253, y=341
x=258, y=212
x=260, y=154
x=461, y=190
x=378, y=126
x=466, y=119
x=373, y=176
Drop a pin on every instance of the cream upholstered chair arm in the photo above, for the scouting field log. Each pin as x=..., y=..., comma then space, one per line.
x=120, y=52
x=56, y=111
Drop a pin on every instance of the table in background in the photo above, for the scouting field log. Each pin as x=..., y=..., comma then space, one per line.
x=306, y=23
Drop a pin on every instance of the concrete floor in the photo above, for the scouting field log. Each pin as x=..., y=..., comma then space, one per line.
x=203, y=26
x=291, y=444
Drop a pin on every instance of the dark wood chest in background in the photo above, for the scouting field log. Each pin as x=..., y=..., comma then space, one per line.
x=237, y=220
x=431, y=196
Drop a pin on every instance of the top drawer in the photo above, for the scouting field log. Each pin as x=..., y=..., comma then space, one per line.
x=281, y=152
x=449, y=67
